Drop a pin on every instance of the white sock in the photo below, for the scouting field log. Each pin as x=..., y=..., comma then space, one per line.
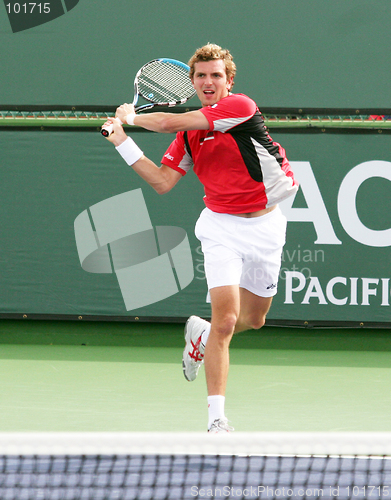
x=205, y=335
x=215, y=408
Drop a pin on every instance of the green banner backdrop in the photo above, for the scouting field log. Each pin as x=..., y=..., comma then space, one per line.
x=83, y=236
x=306, y=53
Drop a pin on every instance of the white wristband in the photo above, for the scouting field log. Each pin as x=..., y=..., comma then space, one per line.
x=130, y=118
x=129, y=151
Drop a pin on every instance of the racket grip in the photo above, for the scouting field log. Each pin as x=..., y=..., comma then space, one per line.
x=108, y=130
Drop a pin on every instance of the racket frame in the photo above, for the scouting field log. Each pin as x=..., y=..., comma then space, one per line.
x=106, y=131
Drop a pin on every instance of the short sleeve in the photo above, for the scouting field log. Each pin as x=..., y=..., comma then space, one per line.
x=229, y=112
x=177, y=157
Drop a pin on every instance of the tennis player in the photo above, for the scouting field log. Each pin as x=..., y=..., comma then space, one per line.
x=245, y=175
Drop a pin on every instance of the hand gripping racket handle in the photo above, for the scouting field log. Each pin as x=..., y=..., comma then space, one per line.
x=106, y=131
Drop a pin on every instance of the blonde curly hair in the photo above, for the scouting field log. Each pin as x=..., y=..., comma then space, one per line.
x=210, y=52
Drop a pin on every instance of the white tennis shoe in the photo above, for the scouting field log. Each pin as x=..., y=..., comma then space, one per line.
x=193, y=355
x=220, y=425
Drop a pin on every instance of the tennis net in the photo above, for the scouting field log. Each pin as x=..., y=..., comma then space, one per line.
x=129, y=466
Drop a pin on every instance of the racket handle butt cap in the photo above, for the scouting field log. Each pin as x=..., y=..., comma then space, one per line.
x=106, y=131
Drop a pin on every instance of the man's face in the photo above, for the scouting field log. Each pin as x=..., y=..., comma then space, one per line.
x=210, y=81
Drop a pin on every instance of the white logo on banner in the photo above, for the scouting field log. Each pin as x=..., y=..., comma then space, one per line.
x=116, y=235
x=316, y=210
x=336, y=290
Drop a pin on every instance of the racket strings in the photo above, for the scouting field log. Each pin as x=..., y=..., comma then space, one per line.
x=164, y=82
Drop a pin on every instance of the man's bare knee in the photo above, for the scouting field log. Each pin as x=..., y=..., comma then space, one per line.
x=225, y=325
x=257, y=323
x=254, y=322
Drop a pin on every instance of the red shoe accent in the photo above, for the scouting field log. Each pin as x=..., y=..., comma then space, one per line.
x=195, y=353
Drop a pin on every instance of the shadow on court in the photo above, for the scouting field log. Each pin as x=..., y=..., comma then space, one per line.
x=163, y=343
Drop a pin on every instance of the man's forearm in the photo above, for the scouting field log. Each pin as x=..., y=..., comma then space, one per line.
x=155, y=122
x=161, y=179
x=171, y=123
x=163, y=122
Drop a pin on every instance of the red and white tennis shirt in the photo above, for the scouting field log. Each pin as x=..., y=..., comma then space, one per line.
x=241, y=168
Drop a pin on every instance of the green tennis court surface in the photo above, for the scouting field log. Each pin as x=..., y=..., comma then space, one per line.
x=68, y=376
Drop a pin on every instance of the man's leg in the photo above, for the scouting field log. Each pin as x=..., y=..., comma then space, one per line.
x=234, y=310
x=225, y=302
x=253, y=311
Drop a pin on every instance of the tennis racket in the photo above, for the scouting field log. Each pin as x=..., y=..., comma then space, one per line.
x=161, y=82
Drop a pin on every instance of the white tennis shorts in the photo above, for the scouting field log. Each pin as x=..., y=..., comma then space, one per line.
x=242, y=251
